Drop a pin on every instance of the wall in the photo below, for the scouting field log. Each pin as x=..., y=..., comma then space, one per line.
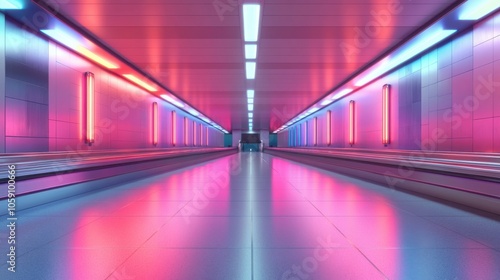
x=26, y=91
x=236, y=137
x=264, y=137
x=43, y=97
x=2, y=84
x=448, y=99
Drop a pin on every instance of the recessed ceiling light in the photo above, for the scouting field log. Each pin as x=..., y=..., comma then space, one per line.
x=251, y=21
x=250, y=70
x=250, y=51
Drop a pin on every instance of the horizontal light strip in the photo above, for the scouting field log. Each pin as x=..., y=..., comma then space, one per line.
x=251, y=21
x=172, y=101
x=250, y=100
x=94, y=57
x=10, y=5
x=250, y=70
x=75, y=44
x=474, y=10
x=421, y=44
x=250, y=51
x=139, y=82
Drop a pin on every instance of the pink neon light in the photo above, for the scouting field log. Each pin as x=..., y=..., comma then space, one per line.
x=351, y=122
x=194, y=133
x=305, y=133
x=386, y=107
x=315, y=131
x=186, y=125
x=155, y=123
x=329, y=127
x=200, y=127
x=90, y=107
x=174, y=128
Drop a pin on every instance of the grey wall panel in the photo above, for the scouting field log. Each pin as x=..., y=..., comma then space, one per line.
x=26, y=144
x=2, y=83
x=26, y=91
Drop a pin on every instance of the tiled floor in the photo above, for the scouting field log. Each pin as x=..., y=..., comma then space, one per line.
x=252, y=216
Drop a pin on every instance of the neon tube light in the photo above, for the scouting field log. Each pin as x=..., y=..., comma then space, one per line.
x=206, y=134
x=315, y=131
x=200, y=127
x=351, y=122
x=186, y=126
x=251, y=21
x=329, y=127
x=250, y=107
x=90, y=107
x=139, y=82
x=386, y=107
x=174, y=128
x=155, y=123
x=306, y=128
x=194, y=133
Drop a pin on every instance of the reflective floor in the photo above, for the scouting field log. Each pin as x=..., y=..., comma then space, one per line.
x=252, y=216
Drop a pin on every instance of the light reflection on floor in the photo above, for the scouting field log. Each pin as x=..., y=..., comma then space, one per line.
x=252, y=216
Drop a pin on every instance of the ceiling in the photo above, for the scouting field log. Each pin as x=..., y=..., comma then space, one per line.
x=306, y=48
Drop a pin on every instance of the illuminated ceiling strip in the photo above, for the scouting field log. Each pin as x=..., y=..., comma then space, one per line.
x=250, y=93
x=139, y=82
x=386, y=107
x=418, y=44
x=10, y=5
x=90, y=107
x=172, y=101
x=250, y=107
x=250, y=51
x=94, y=57
x=67, y=40
x=250, y=70
x=474, y=10
x=251, y=21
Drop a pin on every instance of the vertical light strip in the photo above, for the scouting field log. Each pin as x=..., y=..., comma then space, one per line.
x=315, y=131
x=305, y=133
x=201, y=134
x=90, y=107
x=174, y=128
x=155, y=123
x=351, y=122
x=386, y=108
x=329, y=127
x=186, y=127
x=207, y=136
x=194, y=133
x=251, y=22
